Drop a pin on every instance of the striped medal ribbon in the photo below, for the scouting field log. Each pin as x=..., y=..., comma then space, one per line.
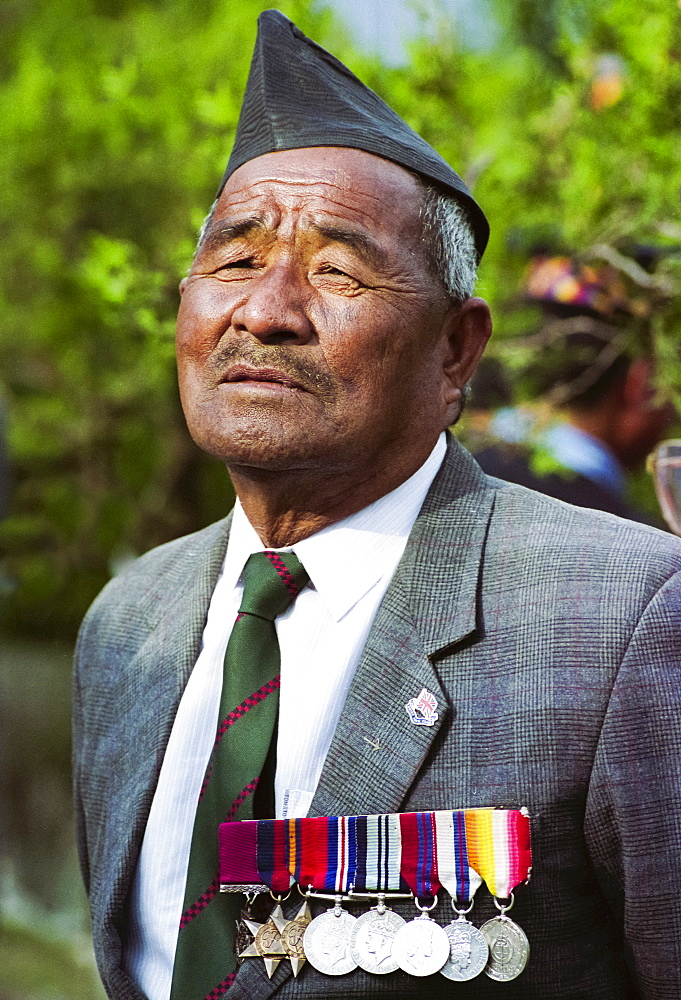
x=379, y=855
x=500, y=851
x=333, y=866
x=468, y=949
x=330, y=870
x=421, y=947
x=378, y=874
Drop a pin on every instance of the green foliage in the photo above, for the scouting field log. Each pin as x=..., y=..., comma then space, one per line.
x=35, y=968
x=541, y=158
x=116, y=121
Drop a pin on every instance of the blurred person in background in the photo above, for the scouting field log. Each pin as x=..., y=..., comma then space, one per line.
x=593, y=373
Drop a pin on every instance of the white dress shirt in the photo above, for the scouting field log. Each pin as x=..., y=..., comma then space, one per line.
x=321, y=637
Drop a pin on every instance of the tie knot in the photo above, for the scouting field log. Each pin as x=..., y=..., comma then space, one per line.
x=272, y=580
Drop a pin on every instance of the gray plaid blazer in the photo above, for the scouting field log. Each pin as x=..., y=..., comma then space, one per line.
x=550, y=637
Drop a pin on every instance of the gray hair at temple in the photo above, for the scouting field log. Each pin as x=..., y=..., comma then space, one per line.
x=450, y=246
x=450, y=243
x=448, y=237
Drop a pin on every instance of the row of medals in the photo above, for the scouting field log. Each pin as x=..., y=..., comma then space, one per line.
x=381, y=941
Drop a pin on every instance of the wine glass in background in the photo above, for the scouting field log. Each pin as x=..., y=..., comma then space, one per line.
x=665, y=466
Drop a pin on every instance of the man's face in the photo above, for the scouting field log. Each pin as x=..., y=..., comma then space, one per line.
x=312, y=333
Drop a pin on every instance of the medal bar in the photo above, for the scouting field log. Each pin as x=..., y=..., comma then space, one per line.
x=384, y=857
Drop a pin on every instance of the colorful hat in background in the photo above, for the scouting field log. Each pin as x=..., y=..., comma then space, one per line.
x=568, y=286
x=594, y=318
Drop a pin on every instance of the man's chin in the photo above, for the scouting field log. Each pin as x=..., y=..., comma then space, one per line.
x=259, y=464
x=256, y=452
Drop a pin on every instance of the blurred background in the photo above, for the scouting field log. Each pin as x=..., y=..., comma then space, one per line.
x=116, y=119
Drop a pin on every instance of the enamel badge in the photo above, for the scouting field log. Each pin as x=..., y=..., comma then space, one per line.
x=422, y=710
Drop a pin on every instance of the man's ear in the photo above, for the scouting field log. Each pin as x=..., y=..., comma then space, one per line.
x=183, y=285
x=468, y=328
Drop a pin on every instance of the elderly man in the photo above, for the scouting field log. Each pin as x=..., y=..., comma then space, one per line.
x=443, y=640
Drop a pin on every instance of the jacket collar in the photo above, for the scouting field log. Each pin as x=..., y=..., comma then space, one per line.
x=429, y=608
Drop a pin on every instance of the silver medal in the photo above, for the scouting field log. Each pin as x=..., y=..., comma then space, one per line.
x=372, y=939
x=421, y=947
x=468, y=951
x=509, y=948
x=327, y=942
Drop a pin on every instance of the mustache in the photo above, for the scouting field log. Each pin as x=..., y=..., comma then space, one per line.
x=309, y=376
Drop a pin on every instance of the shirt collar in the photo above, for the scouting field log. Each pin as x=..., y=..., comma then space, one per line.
x=348, y=558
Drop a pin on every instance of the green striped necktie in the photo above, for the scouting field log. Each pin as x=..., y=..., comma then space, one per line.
x=204, y=958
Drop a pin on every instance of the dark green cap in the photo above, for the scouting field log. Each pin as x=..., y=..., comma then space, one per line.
x=299, y=95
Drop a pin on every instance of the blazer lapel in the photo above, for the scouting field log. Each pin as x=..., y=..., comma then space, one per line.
x=430, y=606
x=155, y=680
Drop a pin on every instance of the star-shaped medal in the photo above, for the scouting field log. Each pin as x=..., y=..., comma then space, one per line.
x=242, y=935
x=291, y=933
x=267, y=943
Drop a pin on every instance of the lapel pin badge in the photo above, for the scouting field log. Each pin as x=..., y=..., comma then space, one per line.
x=422, y=710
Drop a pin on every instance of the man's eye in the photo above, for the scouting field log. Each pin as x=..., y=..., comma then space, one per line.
x=243, y=262
x=334, y=275
x=336, y=271
x=336, y=281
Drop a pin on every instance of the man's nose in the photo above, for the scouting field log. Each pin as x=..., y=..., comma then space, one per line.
x=273, y=308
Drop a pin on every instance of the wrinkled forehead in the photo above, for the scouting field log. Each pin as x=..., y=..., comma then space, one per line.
x=337, y=182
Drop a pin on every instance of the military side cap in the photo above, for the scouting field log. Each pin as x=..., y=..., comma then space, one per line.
x=299, y=95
